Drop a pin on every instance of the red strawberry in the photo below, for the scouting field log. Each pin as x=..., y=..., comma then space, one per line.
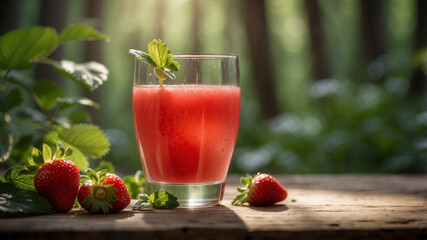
x=262, y=190
x=103, y=192
x=57, y=178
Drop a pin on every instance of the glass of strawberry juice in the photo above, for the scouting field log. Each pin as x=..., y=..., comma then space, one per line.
x=186, y=130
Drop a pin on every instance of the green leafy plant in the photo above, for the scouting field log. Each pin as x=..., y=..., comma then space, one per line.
x=160, y=58
x=135, y=184
x=49, y=115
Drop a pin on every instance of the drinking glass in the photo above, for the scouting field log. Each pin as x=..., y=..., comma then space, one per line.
x=186, y=130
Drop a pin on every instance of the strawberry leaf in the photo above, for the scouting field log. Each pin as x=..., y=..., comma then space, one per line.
x=15, y=202
x=64, y=103
x=47, y=93
x=19, y=48
x=47, y=152
x=60, y=150
x=244, y=191
x=105, y=165
x=160, y=58
x=163, y=199
x=78, y=157
x=36, y=157
x=101, y=175
x=87, y=138
x=158, y=199
x=92, y=175
x=142, y=56
x=81, y=32
x=90, y=74
x=13, y=172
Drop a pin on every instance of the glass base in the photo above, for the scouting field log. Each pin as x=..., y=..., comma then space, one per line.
x=192, y=195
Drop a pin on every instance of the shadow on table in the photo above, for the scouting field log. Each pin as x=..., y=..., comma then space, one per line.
x=218, y=221
x=267, y=209
x=83, y=214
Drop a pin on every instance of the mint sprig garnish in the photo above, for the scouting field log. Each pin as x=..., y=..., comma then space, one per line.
x=158, y=199
x=160, y=58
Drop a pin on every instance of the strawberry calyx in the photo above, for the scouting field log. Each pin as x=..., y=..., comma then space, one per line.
x=244, y=191
x=39, y=158
x=101, y=197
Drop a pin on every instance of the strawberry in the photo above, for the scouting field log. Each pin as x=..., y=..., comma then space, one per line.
x=57, y=178
x=103, y=192
x=262, y=190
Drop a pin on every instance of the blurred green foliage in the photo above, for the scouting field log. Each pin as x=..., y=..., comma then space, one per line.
x=362, y=120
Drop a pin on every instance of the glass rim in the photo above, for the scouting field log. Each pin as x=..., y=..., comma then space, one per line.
x=205, y=56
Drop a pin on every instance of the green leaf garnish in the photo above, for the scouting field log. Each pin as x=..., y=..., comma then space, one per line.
x=160, y=58
x=158, y=199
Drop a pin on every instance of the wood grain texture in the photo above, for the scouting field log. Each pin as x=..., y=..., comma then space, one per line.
x=326, y=207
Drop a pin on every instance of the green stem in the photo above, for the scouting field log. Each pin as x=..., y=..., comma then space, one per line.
x=160, y=76
x=3, y=80
x=47, y=61
x=36, y=99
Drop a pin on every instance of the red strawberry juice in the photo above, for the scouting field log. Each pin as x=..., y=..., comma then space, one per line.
x=186, y=133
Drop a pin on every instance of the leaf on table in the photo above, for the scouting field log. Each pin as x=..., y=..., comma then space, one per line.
x=163, y=199
x=48, y=92
x=15, y=202
x=90, y=74
x=64, y=103
x=81, y=32
x=18, y=48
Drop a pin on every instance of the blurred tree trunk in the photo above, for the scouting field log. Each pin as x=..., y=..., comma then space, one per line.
x=52, y=14
x=196, y=26
x=320, y=63
x=93, y=51
x=262, y=65
x=373, y=28
x=9, y=18
x=418, y=79
x=160, y=10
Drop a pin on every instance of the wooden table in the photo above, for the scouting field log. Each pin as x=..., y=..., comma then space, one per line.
x=326, y=207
